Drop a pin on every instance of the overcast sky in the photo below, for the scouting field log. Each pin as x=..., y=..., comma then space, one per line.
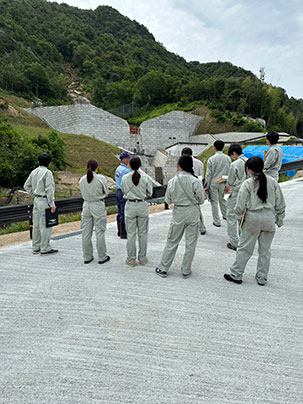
x=248, y=33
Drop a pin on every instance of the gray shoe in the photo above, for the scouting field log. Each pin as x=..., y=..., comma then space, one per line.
x=185, y=276
x=163, y=274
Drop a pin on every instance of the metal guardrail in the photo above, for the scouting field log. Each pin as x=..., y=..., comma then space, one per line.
x=21, y=213
x=291, y=165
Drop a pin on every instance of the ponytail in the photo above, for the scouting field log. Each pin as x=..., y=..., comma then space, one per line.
x=186, y=163
x=256, y=165
x=135, y=164
x=262, y=191
x=91, y=168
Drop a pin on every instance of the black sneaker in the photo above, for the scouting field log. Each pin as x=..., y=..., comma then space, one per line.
x=185, y=276
x=163, y=274
x=36, y=252
x=104, y=261
x=217, y=225
x=52, y=251
x=87, y=262
x=203, y=232
x=231, y=247
x=230, y=279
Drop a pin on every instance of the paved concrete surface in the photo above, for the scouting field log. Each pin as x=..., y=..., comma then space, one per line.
x=73, y=333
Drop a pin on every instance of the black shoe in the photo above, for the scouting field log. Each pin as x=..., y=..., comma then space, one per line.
x=231, y=247
x=36, y=252
x=230, y=279
x=163, y=274
x=217, y=225
x=87, y=262
x=203, y=232
x=260, y=283
x=224, y=218
x=104, y=261
x=185, y=276
x=52, y=251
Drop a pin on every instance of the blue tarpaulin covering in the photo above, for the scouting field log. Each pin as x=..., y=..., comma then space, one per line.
x=290, y=153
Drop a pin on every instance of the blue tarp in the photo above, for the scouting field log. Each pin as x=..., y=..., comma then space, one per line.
x=290, y=153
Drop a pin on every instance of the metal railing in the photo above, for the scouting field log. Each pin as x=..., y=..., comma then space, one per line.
x=21, y=213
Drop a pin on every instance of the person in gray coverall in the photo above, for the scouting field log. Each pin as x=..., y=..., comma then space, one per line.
x=93, y=189
x=273, y=157
x=185, y=191
x=198, y=168
x=217, y=166
x=261, y=205
x=236, y=175
x=135, y=187
x=40, y=183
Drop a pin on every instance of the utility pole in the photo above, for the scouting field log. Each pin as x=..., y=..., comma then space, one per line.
x=262, y=74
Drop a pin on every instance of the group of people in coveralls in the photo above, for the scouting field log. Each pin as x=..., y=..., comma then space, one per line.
x=254, y=207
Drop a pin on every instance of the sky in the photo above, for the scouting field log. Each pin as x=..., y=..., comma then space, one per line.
x=248, y=33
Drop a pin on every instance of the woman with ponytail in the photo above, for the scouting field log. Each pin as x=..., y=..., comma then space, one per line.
x=185, y=191
x=93, y=189
x=260, y=205
x=136, y=186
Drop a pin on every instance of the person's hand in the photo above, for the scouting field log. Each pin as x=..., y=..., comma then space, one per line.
x=53, y=209
x=206, y=189
x=227, y=189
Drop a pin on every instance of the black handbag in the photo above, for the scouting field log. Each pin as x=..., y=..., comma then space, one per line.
x=51, y=219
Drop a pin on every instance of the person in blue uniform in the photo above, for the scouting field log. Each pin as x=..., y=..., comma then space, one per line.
x=121, y=170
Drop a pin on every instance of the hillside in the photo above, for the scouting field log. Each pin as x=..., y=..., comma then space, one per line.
x=49, y=49
x=77, y=149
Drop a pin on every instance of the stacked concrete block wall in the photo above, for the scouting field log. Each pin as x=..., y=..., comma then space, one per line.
x=167, y=129
x=87, y=120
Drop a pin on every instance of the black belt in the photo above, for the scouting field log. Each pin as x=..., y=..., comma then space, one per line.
x=40, y=196
x=136, y=200
x=184, y=206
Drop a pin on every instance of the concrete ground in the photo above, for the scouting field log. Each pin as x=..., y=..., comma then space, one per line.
x=72, y=333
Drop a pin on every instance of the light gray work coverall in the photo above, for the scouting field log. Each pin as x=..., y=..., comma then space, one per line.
x=198, y=168
x=186, y=193
x=259, y=224
x=40, y=183
x=217, y=165
x=273, y=161
x=236, y=176
x=93, y=214
x=136, y=214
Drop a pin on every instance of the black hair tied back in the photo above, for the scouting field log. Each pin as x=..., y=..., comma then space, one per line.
x=91, y=167
x=256, y=164
x=135, y=164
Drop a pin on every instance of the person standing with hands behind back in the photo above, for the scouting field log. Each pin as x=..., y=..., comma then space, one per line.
x=135, y=187
x=93, y=189
x=41, y=184
x=261, y=204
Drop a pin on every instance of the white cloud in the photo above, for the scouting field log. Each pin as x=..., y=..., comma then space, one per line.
x=248, y=33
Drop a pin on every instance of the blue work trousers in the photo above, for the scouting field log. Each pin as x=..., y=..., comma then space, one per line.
x=121, y=205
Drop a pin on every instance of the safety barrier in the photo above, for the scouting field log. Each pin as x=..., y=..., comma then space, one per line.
x=21, y=213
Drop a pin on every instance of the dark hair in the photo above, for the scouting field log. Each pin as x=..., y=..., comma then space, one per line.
x=186, y=150
x=44, y=159
x=272, y=137
x=219, y=145
x=91, y=166
x=234, y=148
x=186, y=163
x=256, y=164
x=135, y=164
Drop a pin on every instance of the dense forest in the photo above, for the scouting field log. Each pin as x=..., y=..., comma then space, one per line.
x=44, y=47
